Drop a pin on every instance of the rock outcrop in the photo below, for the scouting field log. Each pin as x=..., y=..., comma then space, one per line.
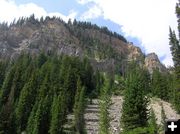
x=152, y=62
x=135, y=52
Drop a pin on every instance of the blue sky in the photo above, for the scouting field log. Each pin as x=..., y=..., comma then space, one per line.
x=62, y=6
x=143, y=22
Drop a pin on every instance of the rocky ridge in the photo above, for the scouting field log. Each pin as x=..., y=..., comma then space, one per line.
x=52, y=35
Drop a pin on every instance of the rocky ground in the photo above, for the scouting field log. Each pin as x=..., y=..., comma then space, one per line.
x=157, y=104
x=115, y=114
x=92, y=114
x=92, y=117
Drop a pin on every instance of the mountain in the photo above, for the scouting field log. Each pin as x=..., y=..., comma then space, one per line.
x=48, y=84
x=152, y=62
x=106, y=50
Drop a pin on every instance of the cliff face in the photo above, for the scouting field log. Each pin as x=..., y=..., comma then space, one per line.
x=135, y=53
x=31, y=38
x=152, y=62
x=106, y=50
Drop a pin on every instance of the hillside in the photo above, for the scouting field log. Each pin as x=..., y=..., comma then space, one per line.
x=78, y=78
x=107, y=50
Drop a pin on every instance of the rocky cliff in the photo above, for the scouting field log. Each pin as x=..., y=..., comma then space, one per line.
x=152, y=62
x=107, y=50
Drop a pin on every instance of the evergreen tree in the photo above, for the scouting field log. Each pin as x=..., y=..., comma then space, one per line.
x=42, y=58
x=175, y=49
x=105, y=102
x=2, y=73
x=31, y=119
x=69, y=88
x=58, y=113
x=7, y=101
x=6, y=87
x=79, y=107
x=152, y=123
x=88, y=79
x=160, y=85
x=163, y=116
x=39, y=121
x=44, y=87
x=178, y=15
x=36, y=120
x=78, y=91
x=134, y=110
x=99, y=82
x=25, y=103
x=146, y=81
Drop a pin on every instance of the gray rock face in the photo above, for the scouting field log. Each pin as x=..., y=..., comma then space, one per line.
x=152, y=62
x=135, y=53
x=53, y=36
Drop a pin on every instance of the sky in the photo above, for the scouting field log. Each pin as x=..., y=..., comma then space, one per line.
x=143, y=22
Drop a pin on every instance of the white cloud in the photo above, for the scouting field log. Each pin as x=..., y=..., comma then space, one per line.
x=82, y=2
x=92, y=13
x=148, y=20
x=9, y=10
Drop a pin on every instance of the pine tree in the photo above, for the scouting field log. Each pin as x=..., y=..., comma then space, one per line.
x=31, y=119
x=160, y=85
x=146, y=81
x=42, y=58
x=54, y=120
x=36, y=120
x=58, y=113
x=79, y=107
x=25, y=103
x=6, y=101
x=175, y=49
x=98, y=82
x=6, y=87
x=134, y=110
x=39, y=120
x=78, y=91
x=2, y=73
x=170, y=86
x=88, y=79
x=105, y=102
x=69, y=88
x=178, y=16
x=44, y=87
x=163, y=116
x=152, y=123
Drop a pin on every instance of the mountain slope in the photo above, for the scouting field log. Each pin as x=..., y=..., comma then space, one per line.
x=54, y=36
